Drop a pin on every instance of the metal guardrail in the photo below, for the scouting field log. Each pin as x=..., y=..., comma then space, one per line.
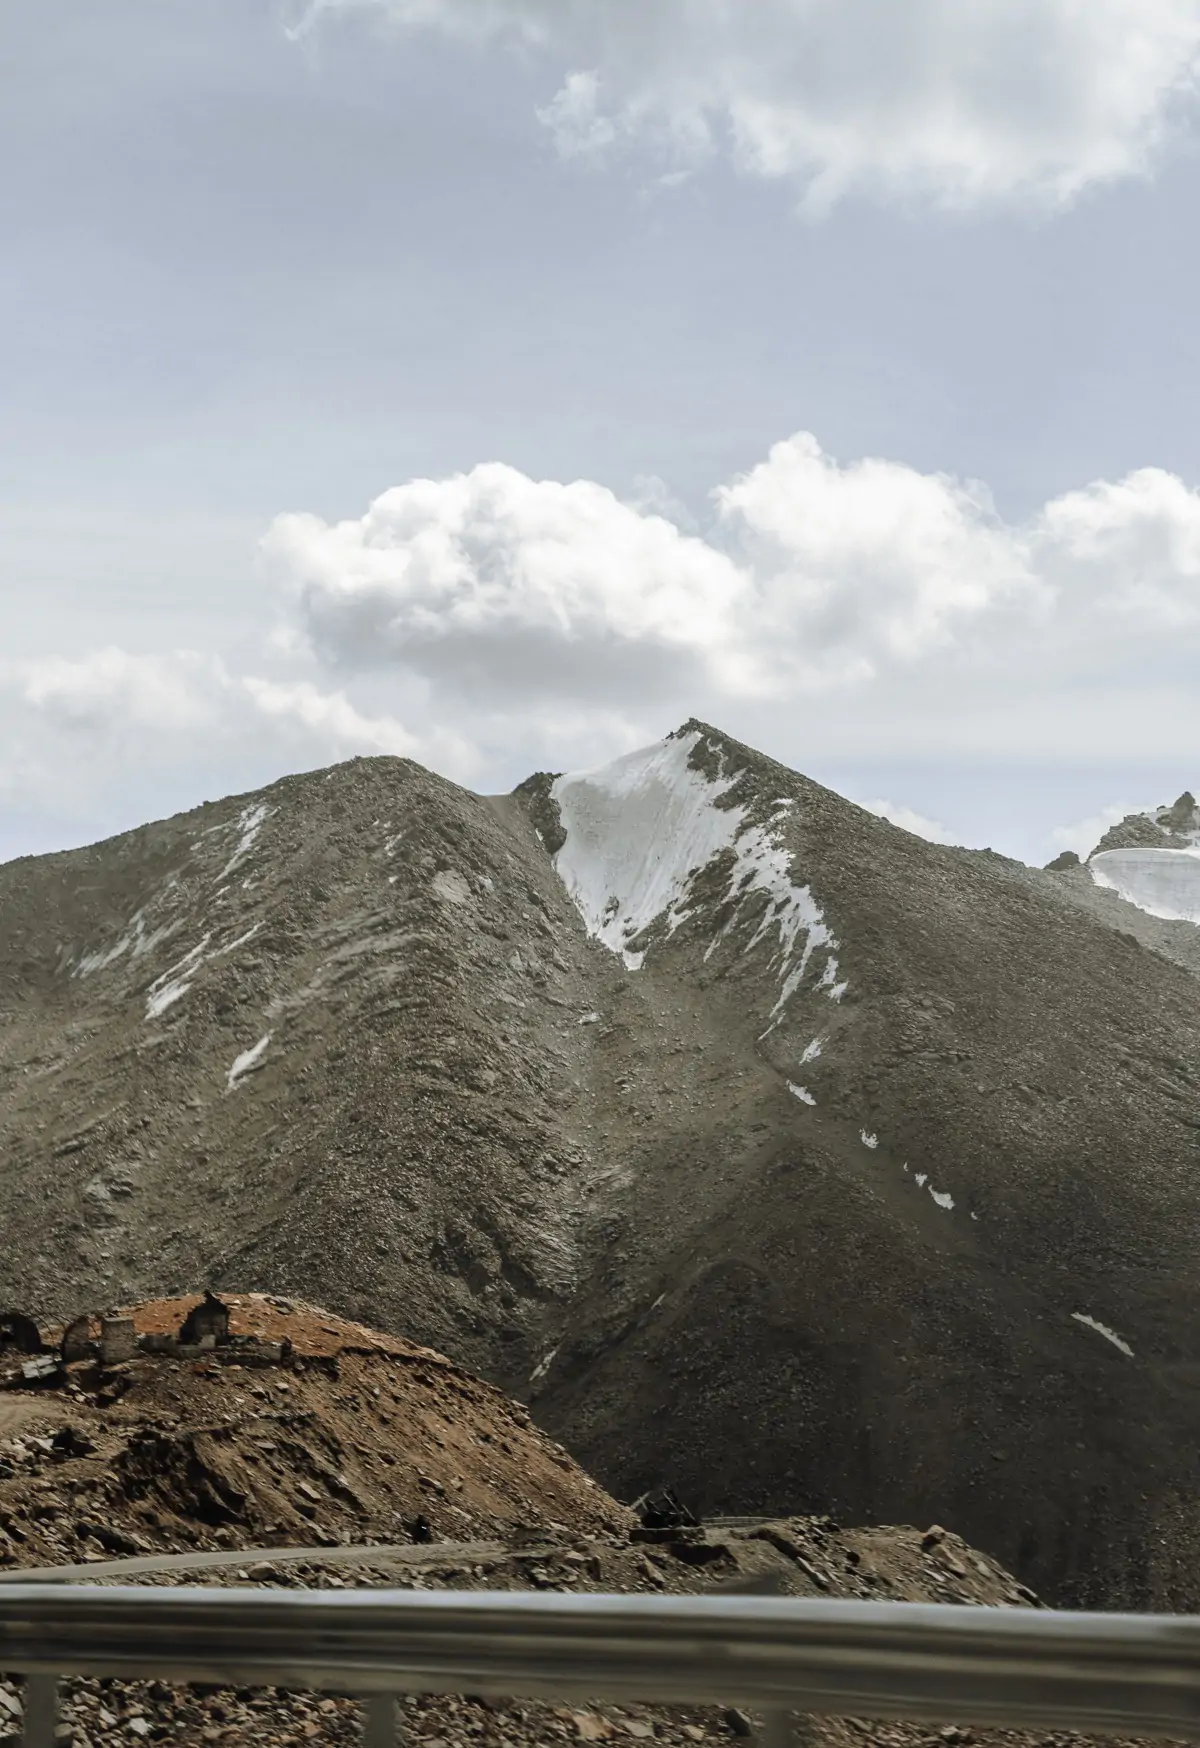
x=1132, y=1674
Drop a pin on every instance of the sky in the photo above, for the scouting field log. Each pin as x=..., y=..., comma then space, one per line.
x=499, y=383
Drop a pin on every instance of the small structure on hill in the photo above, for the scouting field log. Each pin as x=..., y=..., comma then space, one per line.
x=206, y=1324
x=18, y=1333
x=77, y=1341
x=118, y=1340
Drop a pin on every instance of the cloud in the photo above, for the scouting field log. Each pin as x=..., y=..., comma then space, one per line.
x=855, y=566
x=506, y=587
x=78, y=730
x=576, y=120
x=894, y=607
x=114, y=692
x=999, y=100
x=1082, y=835
x=1130, y=548
x=910, y=821
x=488, y=624
x=111, y=688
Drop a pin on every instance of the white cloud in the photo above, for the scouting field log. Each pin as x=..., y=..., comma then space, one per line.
x=488, y=624
x=510, y=587
x=574, y=117
x=111, y=687
x=884, y=607
x=910, y=821
x=1082, y=835
x=995, y=100
x=507, y=586
x=114, y=692
x=1131, y=547
x=79, y=731
x=859, y=565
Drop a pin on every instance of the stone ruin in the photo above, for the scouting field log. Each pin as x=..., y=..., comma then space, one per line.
x=19, y=1334
x=206, y=1324
x=111, y=1339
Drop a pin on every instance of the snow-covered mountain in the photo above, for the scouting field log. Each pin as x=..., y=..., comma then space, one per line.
x=1152, y=861
x=770, y=1150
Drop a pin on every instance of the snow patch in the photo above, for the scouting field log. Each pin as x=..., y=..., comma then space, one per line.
x=800, y=1092
x=641, y=828
x=166, y=997
x=1163, y=883
x=588, y=1019
x=251, y=821
x=868, y=1140
x=175, y=982
x=1105, y=1331
x=543, y=1366
x=136, y=941
x=231, y=946
x=246, y=1061
x=943, y=1198
x=811, y=1051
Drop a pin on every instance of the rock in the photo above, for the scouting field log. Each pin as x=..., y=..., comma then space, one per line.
x=118, y=1340
x=737, y=1721
x=590, y=1727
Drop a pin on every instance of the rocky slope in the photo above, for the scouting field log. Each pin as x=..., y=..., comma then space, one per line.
x=770, y=1150
x=1176, y=827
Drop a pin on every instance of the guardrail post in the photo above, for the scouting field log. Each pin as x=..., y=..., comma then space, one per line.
x=379, y=1720
x=778, y=1730
x=41, y=1711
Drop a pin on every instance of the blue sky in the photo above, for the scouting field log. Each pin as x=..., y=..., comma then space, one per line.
x=827, y=371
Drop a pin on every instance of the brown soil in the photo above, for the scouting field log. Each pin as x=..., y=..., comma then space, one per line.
x=308, y=1328
x=358, y=1437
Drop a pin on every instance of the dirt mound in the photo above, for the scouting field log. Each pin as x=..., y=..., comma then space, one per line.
x=768, y=1149
x=301, y=1429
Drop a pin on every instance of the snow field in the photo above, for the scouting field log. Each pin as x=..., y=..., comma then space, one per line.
x=641, y=828
x=1163, y=883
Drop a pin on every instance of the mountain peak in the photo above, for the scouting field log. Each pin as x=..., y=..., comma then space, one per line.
x=769, y=1149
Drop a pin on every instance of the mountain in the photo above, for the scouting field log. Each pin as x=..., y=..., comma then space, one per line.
x=1151, y=862
x=768, y=1150
x=1160, y=828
